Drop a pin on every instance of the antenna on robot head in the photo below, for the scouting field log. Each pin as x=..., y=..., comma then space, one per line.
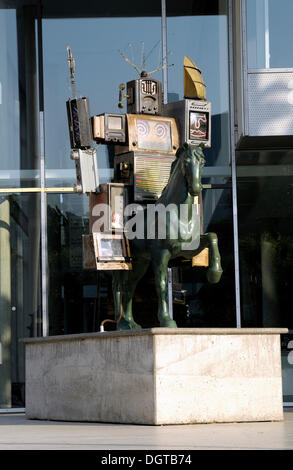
x=131, y=63
x=160, y=68
x=143, y=73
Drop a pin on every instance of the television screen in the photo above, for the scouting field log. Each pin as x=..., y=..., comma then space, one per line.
x=111, y=248
x=153, y=134
x=198, y=125
x=115, y=122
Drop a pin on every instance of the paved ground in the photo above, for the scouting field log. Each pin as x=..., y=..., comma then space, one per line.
x=18, y=433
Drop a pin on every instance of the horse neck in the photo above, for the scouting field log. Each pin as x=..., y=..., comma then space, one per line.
x=176, y=191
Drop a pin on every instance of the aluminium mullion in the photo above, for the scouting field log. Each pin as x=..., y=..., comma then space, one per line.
x=164, y=51
x=44, y=239
x=165, y=100
x=233, y=167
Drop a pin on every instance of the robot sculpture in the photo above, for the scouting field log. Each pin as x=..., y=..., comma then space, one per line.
x=157, y=184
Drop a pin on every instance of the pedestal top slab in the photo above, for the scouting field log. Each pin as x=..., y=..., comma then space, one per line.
x=159, y=331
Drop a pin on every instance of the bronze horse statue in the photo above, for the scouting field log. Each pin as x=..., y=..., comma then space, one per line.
x=183, y=185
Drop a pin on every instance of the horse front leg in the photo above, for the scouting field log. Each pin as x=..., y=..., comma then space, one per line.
x=160, y=264
x=210, y=240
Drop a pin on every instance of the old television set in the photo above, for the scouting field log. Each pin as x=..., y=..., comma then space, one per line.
x=109, y=127
x=198, y=126
x=111, y=247
x=194, y=120
x=150, y=134
x=106, y=251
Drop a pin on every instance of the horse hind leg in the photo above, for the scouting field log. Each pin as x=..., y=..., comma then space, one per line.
x=215, y=271
x=128, y=283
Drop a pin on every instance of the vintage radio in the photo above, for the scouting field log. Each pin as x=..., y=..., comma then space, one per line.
x=147, y=173
x=109, y=128
x=144, y=95
x=150, y=133
x=194, y=120
x=80, y=129
x=113, y=198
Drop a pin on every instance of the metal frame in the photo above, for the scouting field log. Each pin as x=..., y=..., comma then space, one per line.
x=12, y=410
x=233, y=163
x=44, y=240
x=164, y=51
x=276, y=70
x=37, y=190
x=165, y=101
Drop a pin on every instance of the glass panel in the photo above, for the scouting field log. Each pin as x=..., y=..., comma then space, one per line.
x=265, y=237
x=20, y=296
x=78, y=300
x=269, y=31
x=265, y=217
x=100, y=68
x=18, y=98
x=9, y=96
x=196, y=302
x=187, y=36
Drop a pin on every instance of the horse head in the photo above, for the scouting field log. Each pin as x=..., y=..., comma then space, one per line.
x=192, y=162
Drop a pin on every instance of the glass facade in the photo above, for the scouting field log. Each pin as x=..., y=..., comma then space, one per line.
x=265, y=245
x=20, y=289
x=269, y=32
x=264, y=182
x=43, y=287
x=100, y=68
x=186, y=35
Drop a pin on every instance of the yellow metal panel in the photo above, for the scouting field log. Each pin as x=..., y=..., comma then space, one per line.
x=194, y=86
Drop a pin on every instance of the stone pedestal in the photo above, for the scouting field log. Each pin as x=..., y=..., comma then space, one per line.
x=156, y=376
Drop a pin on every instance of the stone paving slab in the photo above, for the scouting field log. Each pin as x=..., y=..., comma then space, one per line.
x=19, y=433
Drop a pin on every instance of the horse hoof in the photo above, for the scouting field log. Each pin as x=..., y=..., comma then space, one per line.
x=214, y=276
x=168, y=323
x=127, y=325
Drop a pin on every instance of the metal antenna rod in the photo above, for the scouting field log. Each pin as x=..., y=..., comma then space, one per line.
x=161, y=68
x=71, y=64
x=131, y=63
x=152, y=49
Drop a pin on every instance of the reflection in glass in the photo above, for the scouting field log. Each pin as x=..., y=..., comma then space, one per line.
x=20, y=292
x=196, y=302
x=78, y=299
x=265, y=200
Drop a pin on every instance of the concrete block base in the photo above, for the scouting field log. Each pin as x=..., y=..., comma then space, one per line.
x=156, y=376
